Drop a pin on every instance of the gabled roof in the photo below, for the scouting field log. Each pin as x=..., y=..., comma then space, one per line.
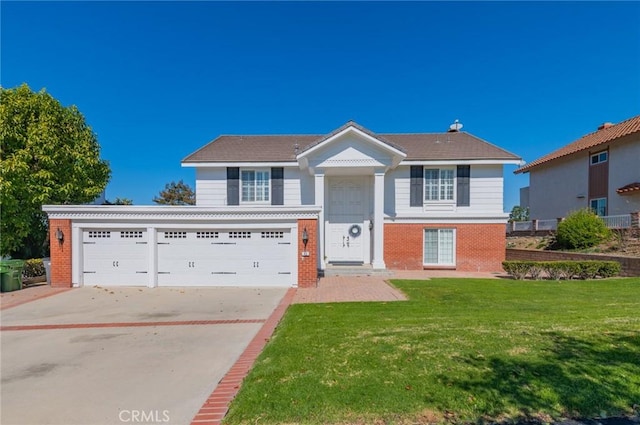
x=282, y=148
x=593, y=140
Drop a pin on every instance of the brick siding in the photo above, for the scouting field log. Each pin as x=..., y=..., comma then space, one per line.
x=60, y=253
x=308, y=266
x=630, y=266
x=479, y=247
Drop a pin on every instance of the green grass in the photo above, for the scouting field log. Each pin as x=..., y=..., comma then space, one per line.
x=461, y=350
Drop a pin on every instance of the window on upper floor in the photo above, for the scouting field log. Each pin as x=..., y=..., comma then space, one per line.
x=438, y=184
x=255, y=185
x=600, y=157
x=599, y=206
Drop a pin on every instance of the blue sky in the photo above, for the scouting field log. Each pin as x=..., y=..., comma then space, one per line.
x=157, y=80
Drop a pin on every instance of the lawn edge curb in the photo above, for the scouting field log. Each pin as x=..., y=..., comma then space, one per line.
x=216, y=405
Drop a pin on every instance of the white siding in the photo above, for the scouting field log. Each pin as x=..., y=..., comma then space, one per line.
x=486, y=193
x=624, y=168
x=211, y=187
x=486, y=187
x=556, y=190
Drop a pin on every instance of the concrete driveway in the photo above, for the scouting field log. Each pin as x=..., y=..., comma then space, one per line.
x=124, y=355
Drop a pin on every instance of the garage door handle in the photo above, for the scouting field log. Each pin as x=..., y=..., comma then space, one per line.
x=223, y=243
x=284, y=272
x=284, y=243
x=89, y=243
x=89, y=272
x=163, y=243
x=223, y=273
x=164, y=272
x=140, y=272
x=141, y=243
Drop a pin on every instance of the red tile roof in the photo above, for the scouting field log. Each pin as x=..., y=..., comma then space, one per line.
x=607, y=134
x=629, y=189
x=276, y=148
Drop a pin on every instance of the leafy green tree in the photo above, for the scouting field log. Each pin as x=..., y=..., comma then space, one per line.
x=582, y=229
x=519, y=213
x=119, y=201
x=176, y=194
x=49, y=155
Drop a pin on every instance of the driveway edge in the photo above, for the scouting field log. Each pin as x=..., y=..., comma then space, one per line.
x=216, y=406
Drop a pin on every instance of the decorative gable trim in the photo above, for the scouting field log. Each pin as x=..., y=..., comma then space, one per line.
x=395, y=153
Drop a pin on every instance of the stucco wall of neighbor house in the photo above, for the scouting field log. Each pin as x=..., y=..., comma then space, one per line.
x=624, y=168
x=211, y=187
x=479, y=247
x=486, y=192
x=554, y=188
x=60, y=253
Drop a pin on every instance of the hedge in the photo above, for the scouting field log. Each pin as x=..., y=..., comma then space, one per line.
x=557, y=270
x=33, y=268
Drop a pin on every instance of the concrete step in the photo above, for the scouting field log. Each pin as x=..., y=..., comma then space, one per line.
x=354, y=270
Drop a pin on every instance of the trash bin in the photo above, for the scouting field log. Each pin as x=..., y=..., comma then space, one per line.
x=47, y=269
x=11, y=275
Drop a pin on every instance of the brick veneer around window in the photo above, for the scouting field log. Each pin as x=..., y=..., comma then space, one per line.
x=479, y=247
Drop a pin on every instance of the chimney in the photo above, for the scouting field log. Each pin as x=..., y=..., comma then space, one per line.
x=605, y=125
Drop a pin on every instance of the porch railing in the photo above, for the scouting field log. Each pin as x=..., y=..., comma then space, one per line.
x=624, y=221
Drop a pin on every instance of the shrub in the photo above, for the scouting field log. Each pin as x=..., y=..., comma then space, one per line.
x=517, y=269
x=609, y=269
x=33, y=268
x=581, y=229
x=557, y=270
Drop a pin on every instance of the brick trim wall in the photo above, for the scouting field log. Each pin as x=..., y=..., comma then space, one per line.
x=60, y=253
x=479, y=247
x=308, y=266
x=630, y=266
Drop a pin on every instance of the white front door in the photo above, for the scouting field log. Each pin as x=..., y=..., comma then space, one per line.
x=348, y=200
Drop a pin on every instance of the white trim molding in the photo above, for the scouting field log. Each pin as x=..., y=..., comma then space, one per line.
x=179, y=213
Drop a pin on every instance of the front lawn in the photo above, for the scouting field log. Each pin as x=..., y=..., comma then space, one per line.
x=461, y=350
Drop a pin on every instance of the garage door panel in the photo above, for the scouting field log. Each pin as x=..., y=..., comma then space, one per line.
x=115, y=257
x=228, y=257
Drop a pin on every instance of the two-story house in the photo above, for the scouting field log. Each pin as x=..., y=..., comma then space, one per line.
x=280, y=209
x=600, y=170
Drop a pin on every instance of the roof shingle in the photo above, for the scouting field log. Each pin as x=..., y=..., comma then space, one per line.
x=277, y=148
x=591, y=140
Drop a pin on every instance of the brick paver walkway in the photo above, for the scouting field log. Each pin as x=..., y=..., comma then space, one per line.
x=349, y=288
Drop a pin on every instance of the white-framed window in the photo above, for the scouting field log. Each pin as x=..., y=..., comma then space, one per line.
x=599, y=206
x=599, y=157
x=439, y=247
x=439, y=184
x=255, y=185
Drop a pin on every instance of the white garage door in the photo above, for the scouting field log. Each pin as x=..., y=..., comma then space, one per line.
x=115, y=257
x=225, y=258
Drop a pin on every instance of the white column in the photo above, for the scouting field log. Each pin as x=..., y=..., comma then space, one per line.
x=319, y=189
x=152, y=252
x=76, y=256
x=378, y=220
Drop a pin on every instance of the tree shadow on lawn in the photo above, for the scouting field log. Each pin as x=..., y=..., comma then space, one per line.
x=572, y=378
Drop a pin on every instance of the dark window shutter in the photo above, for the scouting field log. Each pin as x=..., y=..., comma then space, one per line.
x=417, y=185
x=233, y=186
x=464, y=173
x=277, y=186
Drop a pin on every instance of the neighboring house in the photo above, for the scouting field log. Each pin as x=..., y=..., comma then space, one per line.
x=600, y=170
x=276, y=210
